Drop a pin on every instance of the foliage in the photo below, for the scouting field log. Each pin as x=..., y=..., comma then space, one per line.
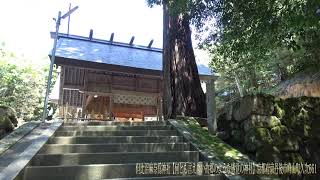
x=263, y=42
x=22, y=85
x=260, y=42
x=199, y=11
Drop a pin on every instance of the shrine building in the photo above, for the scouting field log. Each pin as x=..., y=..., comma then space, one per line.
x=104, y=79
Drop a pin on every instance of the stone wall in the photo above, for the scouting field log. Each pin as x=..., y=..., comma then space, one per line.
x=270, y=129
x=8, y=120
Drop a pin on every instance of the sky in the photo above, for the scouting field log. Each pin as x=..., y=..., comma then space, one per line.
x=25, y=25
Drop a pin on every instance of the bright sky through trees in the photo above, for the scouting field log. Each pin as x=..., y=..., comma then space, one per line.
x=25, y=25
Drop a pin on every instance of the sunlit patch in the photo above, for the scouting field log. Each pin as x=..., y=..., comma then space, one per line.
x=71, y=49
x=233, y=154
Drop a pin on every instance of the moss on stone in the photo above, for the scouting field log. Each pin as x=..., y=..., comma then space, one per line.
x=234, y=125
x=268, y=153
x=200, y=121
x=237, y=136
x=219, y=149
x=283, y=139
x=256, y=138
x=315, y=130
x=274, y=121
x=6, y=111
x=279, y=132
x=296, y=122
x=6, y=124
x=257, y=121
x=292, y=157
x=279, y=110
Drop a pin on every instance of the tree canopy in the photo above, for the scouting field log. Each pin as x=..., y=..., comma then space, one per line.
x=22, y=85
x=264, y=41
x=254, y=44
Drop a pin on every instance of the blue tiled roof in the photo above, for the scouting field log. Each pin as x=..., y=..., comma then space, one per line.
x=101, y=51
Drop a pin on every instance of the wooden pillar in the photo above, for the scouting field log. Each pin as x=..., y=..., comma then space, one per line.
x=84, y=100
x=110, y=107
x=62, y=104
x=61, y=95
x=160, y=109
x=211, y=106
x=66, y=111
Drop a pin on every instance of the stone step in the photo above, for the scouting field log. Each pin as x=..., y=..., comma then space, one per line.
x=125, y=147
x=99, y=123
x=98, y=171
x=114, y=128
x=113, y=158
x=114, y=139
x=118, y=133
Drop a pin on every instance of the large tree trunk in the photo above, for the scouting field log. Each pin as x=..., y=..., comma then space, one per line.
x=182, y=94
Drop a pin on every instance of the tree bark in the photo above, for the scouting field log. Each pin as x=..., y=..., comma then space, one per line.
x=238, y=85
x=182, y=93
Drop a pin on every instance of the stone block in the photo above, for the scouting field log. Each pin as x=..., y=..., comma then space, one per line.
x=224, y=135
x=6, y=124
x=256, y=138
x=292, y=157
x=283, y=139
x=253, y=104
x=268, y=153
x=255, y=121
x=237, y=136
x=234, y=125
x=10, y=113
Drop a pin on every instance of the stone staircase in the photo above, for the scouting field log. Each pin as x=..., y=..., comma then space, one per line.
x=110, y=150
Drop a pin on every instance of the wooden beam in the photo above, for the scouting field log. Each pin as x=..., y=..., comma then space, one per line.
x=91, y=93
x=73, y=87
x=127, y=115
x=111, y=37
x=90, y=34
x=131, y=41
x=122, y=92
x=108, y=67
x=135, y=93
x=150, y=43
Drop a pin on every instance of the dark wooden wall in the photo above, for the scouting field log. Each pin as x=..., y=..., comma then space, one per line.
x=76, y=82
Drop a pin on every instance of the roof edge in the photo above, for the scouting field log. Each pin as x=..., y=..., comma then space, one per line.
x=102, y=41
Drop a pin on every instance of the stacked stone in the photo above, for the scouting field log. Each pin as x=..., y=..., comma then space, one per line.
x=8, y=120
x=270, y=129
